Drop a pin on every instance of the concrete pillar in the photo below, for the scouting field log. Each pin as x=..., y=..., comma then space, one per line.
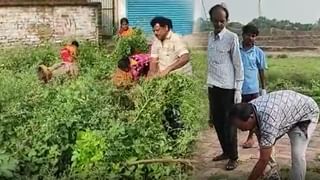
x=121, y=10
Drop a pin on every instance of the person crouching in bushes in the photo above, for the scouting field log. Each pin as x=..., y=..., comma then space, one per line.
x=68, y=66
x=130, y=70
x=123, y=77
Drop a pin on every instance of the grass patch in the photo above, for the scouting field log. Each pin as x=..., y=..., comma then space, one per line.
x=299, y=71
x=199, y=65
x=282, y=56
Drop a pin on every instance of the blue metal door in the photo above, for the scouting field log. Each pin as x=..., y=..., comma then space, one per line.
x=140, y=13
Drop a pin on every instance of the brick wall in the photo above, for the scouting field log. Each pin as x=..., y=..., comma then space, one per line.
x=35, y=23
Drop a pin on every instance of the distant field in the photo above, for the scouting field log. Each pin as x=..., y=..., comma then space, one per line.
x=300, y=71
x=295, y=73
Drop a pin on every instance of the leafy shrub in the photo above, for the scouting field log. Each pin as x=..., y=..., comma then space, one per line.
x=311, y=89
x=7, y=165
x=88, y=151
x=132, y=44
x=269, y=56
x=86, y=128
x=282, y=56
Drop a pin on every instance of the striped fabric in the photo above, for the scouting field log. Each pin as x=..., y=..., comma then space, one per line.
x=225, y=69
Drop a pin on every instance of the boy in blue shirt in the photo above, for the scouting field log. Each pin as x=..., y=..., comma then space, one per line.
x=254, y=64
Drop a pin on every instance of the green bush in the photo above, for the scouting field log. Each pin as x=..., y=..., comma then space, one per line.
x=131, y=44
x=269, y=56
x=282, y=56
x=85, y=128
x=312, y=88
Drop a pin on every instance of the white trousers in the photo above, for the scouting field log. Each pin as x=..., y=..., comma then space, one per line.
x=299, y=144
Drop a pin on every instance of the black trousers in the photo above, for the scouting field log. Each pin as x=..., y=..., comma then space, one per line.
x=221, y=101
x=249, y=97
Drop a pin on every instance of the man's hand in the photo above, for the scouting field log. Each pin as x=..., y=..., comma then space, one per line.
x=257, y=172
x=237, y=97
x=164, y=73
x=154, y=67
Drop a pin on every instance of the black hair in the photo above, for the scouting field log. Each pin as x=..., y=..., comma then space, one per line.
x=162, y=21
x=122, y=20
x=75, y=43
x=124, y=63
x=243, y=111
x=219, y=6
x=250, y=29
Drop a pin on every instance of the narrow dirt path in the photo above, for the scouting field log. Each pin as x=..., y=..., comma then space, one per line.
x=208, y=146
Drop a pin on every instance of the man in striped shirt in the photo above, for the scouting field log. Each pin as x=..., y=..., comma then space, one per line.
x=274, y=115
x=225, y=78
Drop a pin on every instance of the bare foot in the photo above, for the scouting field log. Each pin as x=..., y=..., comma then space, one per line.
x=248, y=144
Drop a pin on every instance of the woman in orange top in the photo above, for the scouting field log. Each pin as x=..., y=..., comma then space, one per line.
x=125, y=30
x=123, y=76
x=68, y=66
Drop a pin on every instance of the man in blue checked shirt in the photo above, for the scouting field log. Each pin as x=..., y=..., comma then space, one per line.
x=254, y=64
x=272, y=116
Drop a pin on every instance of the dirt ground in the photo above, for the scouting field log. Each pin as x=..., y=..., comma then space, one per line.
x=208, y=146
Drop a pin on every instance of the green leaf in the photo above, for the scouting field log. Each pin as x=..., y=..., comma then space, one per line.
x=7, y=165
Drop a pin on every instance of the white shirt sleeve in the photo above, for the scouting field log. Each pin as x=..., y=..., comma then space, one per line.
x=237, y=64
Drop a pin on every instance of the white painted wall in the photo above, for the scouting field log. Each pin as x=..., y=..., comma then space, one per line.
x=122, y=8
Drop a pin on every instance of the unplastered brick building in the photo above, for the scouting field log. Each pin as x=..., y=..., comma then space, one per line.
x=32, y=22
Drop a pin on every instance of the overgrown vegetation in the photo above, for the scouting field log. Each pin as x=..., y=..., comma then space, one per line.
x=300, y=74
x=85, y=128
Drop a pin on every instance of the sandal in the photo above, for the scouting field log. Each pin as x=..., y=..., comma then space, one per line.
x=231, y=165
x=220, y=157
x=248, y=144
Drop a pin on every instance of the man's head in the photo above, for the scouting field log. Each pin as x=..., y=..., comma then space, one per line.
x=219, y=16
x=161, y=27
x=124, y=24
x=75, y=43
x=242, y=116
x=124, y=64
x=249, y=34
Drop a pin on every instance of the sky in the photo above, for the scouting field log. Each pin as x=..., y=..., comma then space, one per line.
x=303, y=11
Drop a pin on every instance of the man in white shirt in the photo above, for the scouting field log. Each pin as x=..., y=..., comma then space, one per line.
x=168, y=51
x=169, y=54
x=225, y=78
